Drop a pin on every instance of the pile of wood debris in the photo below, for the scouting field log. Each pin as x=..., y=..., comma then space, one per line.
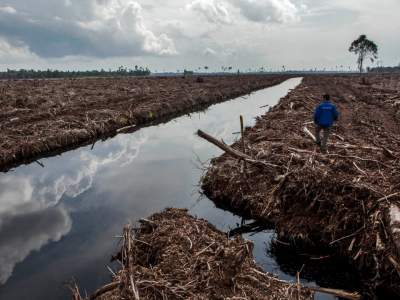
x=347, y=200
x=173, y=255
x=46, y=117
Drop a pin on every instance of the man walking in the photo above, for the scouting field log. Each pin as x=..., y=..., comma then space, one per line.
x=324, y=116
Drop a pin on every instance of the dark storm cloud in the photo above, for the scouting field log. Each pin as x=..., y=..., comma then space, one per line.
x=52, y=39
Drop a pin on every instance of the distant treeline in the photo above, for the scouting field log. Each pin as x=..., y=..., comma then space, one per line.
x=385, y=69
x=33, y=74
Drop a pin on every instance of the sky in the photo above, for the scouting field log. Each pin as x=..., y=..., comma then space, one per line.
x=190, y=34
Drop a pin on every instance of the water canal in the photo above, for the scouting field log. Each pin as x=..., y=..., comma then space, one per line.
x=59, y=221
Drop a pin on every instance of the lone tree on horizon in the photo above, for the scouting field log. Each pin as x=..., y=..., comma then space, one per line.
x=364, y=47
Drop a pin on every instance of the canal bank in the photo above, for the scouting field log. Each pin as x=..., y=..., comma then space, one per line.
x=64, y=216
x=342, y=203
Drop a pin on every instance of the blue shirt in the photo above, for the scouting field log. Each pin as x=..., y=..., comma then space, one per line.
x=325, y=114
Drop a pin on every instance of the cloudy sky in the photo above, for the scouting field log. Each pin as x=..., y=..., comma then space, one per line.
x=176, y=34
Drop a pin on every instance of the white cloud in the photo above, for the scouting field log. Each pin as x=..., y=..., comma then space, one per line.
x=15, y=193
x=13, y=53
x=124, y=20
x=214, y=11
x=269, y=11
x=90, y=28
x=8, y=9
x=95, y=34
x=209, y=51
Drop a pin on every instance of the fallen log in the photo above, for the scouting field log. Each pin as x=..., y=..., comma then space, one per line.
x=337, y=293
x=233, y=152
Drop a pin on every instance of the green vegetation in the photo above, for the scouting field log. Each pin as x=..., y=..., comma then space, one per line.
x=188, y=72
x=33, y=74
x=363, y=47
x=382, y=69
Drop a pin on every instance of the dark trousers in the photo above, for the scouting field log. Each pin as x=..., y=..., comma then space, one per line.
x=325, y=135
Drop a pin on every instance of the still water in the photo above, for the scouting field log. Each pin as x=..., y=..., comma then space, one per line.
x=59, y=222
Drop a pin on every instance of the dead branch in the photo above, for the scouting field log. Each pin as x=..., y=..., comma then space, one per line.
x=233, y=152
x=308, y=132
x=107, y=288
x=338, y=293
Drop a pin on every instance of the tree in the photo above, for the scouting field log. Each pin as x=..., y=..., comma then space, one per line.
x=187, y=72
x=364, y=47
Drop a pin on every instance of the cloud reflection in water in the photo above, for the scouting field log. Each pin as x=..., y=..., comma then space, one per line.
x=31, y=212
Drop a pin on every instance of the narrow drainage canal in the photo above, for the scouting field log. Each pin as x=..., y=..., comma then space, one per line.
x=59, y=222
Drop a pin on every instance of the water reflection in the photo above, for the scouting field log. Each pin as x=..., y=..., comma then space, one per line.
x=20, y=234
x=82, y=198
x=30, y=214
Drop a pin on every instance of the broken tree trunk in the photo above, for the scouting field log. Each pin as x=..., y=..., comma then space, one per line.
x=233, y=152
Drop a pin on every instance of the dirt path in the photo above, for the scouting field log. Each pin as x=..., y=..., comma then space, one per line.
x=40, y=117
x=341, y=200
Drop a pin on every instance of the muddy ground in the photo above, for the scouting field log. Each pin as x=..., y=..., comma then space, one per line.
x=346, y=200
x=40, y=117
x=173, y=255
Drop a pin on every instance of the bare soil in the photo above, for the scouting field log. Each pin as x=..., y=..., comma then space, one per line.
x=340, y=200
x=39, y=117
x=173, y=255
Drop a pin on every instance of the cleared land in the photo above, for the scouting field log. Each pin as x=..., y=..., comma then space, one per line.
x=40, y=117
x=175, y=256
x=347, y=200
